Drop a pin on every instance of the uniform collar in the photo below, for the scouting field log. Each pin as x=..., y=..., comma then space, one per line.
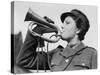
x=70, y=51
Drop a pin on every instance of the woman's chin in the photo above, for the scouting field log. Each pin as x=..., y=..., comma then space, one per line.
x=63, y=38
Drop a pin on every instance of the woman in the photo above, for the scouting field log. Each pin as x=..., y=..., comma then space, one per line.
x=75, y=56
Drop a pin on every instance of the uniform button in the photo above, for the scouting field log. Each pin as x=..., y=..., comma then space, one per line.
x=67, y=60
x=52, y=64
x=83, y=64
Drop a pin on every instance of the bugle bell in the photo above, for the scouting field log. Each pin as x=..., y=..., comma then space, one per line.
x=32, y=16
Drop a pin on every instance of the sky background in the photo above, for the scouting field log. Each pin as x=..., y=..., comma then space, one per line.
x=54, y=11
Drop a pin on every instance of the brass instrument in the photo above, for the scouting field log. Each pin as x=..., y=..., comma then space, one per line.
x=32, y=16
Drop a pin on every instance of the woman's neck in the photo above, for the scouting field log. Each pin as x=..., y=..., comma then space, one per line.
x=74, y=42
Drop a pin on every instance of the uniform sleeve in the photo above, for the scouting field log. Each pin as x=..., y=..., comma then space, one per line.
x=94, y=60
x=27, y=53
x=28, y=56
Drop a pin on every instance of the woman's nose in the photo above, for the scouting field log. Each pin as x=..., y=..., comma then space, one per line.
x=62, y=27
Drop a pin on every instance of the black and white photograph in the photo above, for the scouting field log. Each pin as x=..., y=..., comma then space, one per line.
x=53, y=37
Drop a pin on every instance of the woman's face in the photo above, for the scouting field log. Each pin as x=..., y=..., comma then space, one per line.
x=69, y=28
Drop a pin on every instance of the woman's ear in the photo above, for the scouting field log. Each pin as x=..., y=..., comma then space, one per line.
x=78, y=31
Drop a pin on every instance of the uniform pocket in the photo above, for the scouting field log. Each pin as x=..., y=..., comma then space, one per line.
x=82, y=66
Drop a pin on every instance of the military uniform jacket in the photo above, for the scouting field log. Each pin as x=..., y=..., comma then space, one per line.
x=60, y=59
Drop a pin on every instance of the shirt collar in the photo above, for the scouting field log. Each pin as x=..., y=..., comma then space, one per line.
x=70, y=51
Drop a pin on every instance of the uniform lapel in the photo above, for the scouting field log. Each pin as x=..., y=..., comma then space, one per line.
x=70, y=51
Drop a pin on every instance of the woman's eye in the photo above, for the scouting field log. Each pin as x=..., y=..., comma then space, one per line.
x=67, y=22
